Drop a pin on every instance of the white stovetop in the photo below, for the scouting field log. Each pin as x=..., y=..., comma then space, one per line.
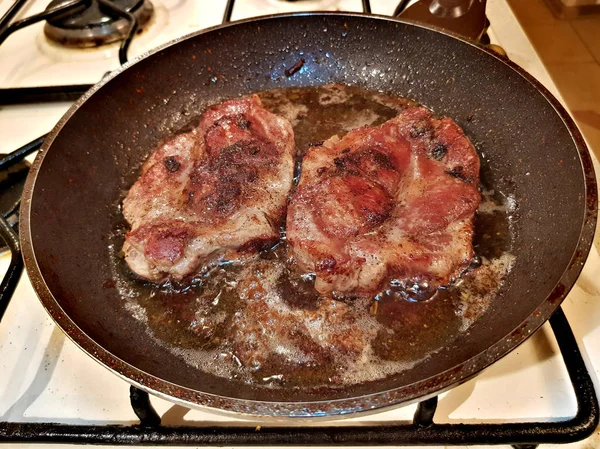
x=46, y=377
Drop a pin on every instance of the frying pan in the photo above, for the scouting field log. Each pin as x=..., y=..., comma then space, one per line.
x=533, y=151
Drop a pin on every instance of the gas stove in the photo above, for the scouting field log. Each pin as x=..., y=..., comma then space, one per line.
x=47, y=379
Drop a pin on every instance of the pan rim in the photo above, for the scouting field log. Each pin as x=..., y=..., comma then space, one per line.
x=341, y=406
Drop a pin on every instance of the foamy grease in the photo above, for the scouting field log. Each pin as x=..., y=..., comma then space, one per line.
x=477, y=289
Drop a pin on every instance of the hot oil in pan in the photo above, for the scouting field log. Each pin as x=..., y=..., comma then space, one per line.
x=263, y=322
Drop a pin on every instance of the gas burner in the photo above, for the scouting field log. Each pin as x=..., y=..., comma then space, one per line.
x=93, y=25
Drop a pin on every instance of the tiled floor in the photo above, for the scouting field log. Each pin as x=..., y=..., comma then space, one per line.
x=570, y=50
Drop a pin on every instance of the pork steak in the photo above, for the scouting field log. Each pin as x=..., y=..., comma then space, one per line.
x=218, y=191
x=389, y=203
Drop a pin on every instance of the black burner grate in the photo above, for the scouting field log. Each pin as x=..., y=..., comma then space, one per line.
x=422, y=431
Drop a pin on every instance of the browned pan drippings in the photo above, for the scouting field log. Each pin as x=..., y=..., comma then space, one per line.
x=531, y=152
x=262, y=322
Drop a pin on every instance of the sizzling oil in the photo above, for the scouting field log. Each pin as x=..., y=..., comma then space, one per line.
x=263, y=322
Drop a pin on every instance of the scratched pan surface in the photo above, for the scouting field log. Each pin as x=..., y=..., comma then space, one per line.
x=533, y=152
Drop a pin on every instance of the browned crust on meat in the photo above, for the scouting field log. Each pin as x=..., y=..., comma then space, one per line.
x=220, y=189
x=390, y=202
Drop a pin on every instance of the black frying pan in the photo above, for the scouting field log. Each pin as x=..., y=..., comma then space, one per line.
x=533, y=151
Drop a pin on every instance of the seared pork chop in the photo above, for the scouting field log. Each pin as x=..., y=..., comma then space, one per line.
x=217, y=191
x=388, y=203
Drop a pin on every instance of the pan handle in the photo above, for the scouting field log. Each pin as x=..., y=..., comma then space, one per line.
x=464, y=17
x=9, y=283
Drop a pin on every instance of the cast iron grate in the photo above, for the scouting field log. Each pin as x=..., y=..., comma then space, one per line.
x=422, y=431
x=26, y=95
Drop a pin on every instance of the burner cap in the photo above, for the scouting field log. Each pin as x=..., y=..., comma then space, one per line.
x=90, y=26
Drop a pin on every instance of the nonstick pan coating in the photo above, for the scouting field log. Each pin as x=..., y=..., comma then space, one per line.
x=531, y=150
